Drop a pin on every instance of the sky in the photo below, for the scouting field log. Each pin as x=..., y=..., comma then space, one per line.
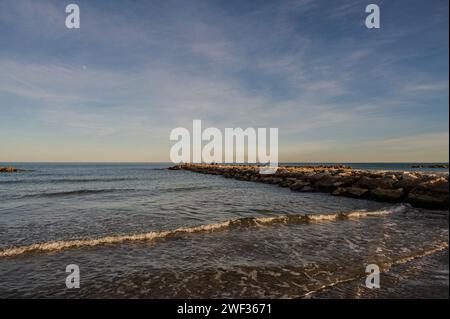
x=113, y=90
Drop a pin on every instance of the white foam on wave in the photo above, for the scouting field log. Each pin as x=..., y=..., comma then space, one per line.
x=150, y=236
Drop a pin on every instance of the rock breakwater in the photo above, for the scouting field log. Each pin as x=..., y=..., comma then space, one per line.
x=426, y=190
x=10, y=169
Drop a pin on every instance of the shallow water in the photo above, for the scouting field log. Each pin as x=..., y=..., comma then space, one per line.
x=139, y=230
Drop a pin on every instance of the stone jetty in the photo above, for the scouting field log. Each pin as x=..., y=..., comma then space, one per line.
x=420, y=189
x=10, y=169
x=430, y=166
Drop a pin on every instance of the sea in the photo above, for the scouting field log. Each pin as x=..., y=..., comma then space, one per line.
x=139, y=230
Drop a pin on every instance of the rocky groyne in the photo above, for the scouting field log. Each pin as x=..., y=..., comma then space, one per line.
x=429, y=166
x=426, y=190
x=10, y=169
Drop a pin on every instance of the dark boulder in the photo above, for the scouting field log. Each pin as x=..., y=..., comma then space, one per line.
x=388, y=194
x=298, y=185
x=328, y=183
x=357, y=191
x=426, y=199
x=379, y=182
x=340, y=191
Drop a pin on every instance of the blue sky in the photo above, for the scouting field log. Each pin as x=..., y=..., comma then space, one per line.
x=115, y=88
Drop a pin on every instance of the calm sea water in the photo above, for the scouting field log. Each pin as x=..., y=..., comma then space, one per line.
x=140, y=230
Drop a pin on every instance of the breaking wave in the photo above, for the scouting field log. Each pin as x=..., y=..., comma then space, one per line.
x=229, y=224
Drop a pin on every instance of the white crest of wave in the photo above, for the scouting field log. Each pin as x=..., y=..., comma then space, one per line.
x=66, y=244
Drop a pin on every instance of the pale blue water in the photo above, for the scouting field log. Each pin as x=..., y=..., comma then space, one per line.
x=63, y=202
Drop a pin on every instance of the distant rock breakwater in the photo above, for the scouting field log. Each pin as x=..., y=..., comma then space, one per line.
x=426, y=190
x=10, y=169
x=429, y=166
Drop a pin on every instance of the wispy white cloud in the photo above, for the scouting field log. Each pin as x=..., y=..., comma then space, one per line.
x=432, y=147
x=144, y=70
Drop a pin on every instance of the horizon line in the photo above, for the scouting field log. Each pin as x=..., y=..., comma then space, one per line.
x=281, y=162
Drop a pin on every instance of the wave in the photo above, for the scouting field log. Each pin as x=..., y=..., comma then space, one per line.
x=312, y=218
x=112, y=190
x=79, y=192
x=186, y=189
x=89, y=180
x=66, y=180
x=384, y=268
x=426, y=253
x=229, y=224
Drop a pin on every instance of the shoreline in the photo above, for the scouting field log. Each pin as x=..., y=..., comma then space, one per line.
x=420, y=189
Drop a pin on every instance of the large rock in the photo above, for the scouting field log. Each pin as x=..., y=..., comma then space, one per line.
x=340, y=191
x=379, y=182
x=357, y=191
x=298, y=185
x=439, y=185
x=243, y=177
x=287, y=182
x=329, y=182
x=423, y=198
x=407, y=181
x=271, y=180
x=316, y=176
x=388, y=194
x=307, y=189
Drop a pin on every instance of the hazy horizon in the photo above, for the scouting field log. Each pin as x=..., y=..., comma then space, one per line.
x=281, y=162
